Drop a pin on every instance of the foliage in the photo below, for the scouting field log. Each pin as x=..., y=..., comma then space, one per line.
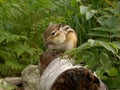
x=16, y=50
x=5, y=86
x=15, y=53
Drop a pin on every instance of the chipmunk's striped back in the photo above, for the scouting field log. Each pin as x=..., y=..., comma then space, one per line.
x=66, y=28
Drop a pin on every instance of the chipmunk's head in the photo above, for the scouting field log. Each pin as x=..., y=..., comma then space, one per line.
x=53, y=35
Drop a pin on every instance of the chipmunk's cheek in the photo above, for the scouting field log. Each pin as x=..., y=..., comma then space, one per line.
x=60, y=39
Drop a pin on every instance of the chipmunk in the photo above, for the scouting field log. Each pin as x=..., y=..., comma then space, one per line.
x=58, y=36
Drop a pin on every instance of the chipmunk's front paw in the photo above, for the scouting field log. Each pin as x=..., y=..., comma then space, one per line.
x=66, y=57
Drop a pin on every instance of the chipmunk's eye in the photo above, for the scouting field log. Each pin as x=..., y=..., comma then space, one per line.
x=52, y=33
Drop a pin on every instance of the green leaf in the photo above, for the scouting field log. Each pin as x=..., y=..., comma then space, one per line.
x=86, y=45
x=112, y=83
x=108, y=47
x=113, y=72
x=83, y=9
x=99, y=34
x=2, y=39
x=89, y=14
x=14, y=64
x=116, y=28
x=7, y=86
x=109, y=21
x=115, y=35
x=31, y=51
x=101, y=21
x=117, y=43
x=101, y=29
x=105, y=60
x=21, y=48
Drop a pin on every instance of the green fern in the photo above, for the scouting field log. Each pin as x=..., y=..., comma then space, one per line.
x=15, y=53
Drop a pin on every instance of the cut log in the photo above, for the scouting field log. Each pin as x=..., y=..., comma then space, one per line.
x=62, y=74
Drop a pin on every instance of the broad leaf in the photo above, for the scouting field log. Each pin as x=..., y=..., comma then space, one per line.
x=101, y=29
x=108, y=47
x=89, y=14
x=83, y=9
x=99, y=34
x=115, y=35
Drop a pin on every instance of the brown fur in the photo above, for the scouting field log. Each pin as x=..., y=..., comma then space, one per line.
x=46, y=58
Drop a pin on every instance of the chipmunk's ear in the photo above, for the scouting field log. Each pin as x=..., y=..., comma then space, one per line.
x=59, y=25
